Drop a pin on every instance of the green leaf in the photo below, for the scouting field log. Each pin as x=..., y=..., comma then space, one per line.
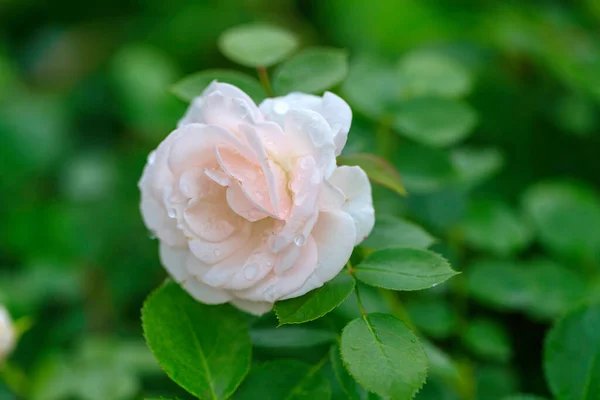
x=488, y=340
x=183, y=335
x=553, y=288
x=378, y=170
x=493, y=382
x=434, y=121
x=572, y=355
x=257, y=45
x=433, y=317
x=428, y=73
x=502, y=284
x=522, y=396
x=567, y=217
x=404, y=269
x=312, y=70
x=315, y=303
x=384, y=356
x=424, y=169
x=541, y=288
x=291, y=337
x=475, y=166
x=372, y=86
x=440, y=364
x=193, y=85
x=494, y=227
x=390, y=231
x=284, y=379
x=349, y=386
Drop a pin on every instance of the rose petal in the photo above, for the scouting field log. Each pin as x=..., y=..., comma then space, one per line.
x=334, y=233
x=205, y=293
x=353, y=181
x=274, y=287
x=221, y=104
x=212, y=253
x=334, y=109
x=257, y=308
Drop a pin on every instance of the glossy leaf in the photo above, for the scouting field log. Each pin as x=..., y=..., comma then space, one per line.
x=390, y=231
x=315, y=303
x=312, y=70
x=183, y=334
x=284, y=379
x=572, y=355
x=348, y=384
x=404, y=269
x=193, y=85
x=434, y=121
x=378, y=170
x=384, y=356
x=257, y=45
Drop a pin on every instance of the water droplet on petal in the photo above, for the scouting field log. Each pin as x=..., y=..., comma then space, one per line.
x=300, y=240
x=152, y=157
x=304, y=163
x=171, y=212
x=270, y=294
x=250, y=271
x=269, y=264
x=217, y=252
x=280, y=107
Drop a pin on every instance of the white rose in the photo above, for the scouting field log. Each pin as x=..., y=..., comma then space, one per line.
x=7, y=334
x=248, y=203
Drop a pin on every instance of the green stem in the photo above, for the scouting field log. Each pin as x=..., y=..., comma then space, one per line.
x=263, y=75
x=358, y=299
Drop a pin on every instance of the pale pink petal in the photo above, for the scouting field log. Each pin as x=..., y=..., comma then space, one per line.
x=334, y=233
x=221, y=104
x=274, y=175
x=174, y=259
x=339, y=116
x=257, y=308
x=195, y=145
x=353, y=181
x=334, y=236
x=204, y=293
x=334, y=109
x=331, y=198
x=274, y=287
x=311, y=135
x=211, y=220
x=158, y=222
x=241, y=205
x=212, y=253
x=249, y=175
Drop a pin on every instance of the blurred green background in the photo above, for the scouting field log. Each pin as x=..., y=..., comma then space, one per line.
x=513, y=202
